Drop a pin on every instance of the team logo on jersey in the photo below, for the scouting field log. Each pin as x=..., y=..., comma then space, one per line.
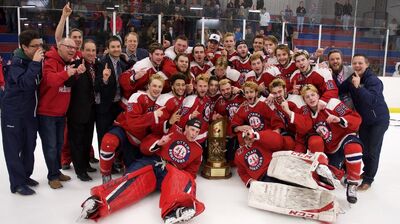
x=254, y=159
x=324, y=131
x=179, y=151
x=242, y=78
x=256, y=121
x=207, y=111
x=330, y=85
x=232, y=108
x=129, y=107
x=341, y=109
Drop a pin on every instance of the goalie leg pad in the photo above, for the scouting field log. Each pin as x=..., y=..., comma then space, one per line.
x=293, y=201
x=178, y=189
x=124, y=191
x=298, y=168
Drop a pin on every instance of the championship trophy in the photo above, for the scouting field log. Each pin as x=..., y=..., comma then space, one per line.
x=216, y=166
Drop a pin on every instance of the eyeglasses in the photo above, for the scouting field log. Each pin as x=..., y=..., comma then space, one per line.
x=36, y=45
x=69, y=47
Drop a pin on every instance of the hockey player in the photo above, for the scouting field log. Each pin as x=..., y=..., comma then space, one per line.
x=131, y=127
x=221, y=70
x=262, y=75
x=241, y=61
x=137, y=77
x=270, y=43
x=199, y=65
x=199, y=106
x=338, y=126
x=213, y=89
x=171, y=167
x=321, y=78
x=227, y=105
x=180, y=47
x=171, y=102
x=285, y=64
x=287, y=106
x=229, y=46
x=255, y=114
x=253, y=157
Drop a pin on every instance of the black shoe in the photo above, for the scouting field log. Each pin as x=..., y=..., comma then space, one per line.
x=31, y=182
x=84, y=177
x=24, y=190
x=93, y=160
x=91, y=169
x=66, y=167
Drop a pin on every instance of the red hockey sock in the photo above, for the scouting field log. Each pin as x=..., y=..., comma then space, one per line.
x=353, y=161
x=109, y=144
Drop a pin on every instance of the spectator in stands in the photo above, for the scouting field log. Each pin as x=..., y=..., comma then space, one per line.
x=393, y=29
x=346, y=16
x=249, y=36
x=338, y=11
x=287, y=14
x=179, y=24
x=18, y=112
x=238, y=34
x=366, y=90
x=265, y=18
x=180, y=47
x=11, y=15
x=312, y=15
x=300, y=13
x=131, y=51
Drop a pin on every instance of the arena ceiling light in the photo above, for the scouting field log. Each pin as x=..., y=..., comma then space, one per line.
x=254, y=10
x=196, y=8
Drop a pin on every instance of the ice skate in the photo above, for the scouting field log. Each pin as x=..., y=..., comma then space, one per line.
x=179, y=215
x=89, y=207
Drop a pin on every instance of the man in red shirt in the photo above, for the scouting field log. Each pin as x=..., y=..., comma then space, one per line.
x=53, y=104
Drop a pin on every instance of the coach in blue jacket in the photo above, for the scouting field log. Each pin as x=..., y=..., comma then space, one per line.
x=19, y=123
x=366, y=90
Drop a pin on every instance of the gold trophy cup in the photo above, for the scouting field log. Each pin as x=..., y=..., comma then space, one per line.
x=216, y=166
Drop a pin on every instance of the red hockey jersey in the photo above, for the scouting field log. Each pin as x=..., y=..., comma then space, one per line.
x=333, y=134
x=252, y=161
x=228, y=108
x=171, y=104
x=259, y=116
x=138, y=118
x=320, y=78
x=241, y=65
x=179, y=151
x=196, y=69
x=266, y=77
x=302, y=127
x=204, y=106
x=286, y=73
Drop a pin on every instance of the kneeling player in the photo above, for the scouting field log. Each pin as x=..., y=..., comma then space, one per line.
x=337, y=125
x=171, y=167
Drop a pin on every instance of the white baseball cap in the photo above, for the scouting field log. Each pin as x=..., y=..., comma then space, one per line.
x=215, y=37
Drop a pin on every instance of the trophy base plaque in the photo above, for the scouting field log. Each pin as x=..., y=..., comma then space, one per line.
x=216, y=170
